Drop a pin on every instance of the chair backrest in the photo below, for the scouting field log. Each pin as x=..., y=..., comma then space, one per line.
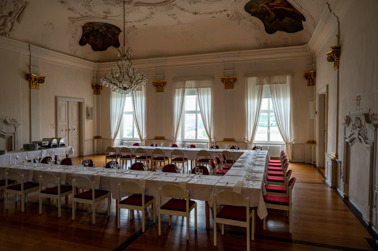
x=192, y=146
x=46, y=160
x=217, y=160
x=110, y=149
x=169, y=168
x=287, y=177
x=82, y=182
x=177, y=153
x=66, y=161
x=13, y=175
x=174, y=191
x=48, y=180
x=136, y=144
x=128, y=187
x=211, y=162
x=214, y=147
x=153, y=144
x=125, y=151
x=203, y=153
x=158, y=153
x=204, y=169
x=88, y=162
x=231, y=198
x=174, y=145
x=290, y=187
x=140, y=152
x=227, y=156
x=137, y=166
x=236, y=147
x=111, y=163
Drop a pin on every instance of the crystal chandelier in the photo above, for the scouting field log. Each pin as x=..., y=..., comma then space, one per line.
x=125, y=79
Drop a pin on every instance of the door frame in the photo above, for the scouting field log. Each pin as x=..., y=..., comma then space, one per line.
x=322, y=126
x=81, y=102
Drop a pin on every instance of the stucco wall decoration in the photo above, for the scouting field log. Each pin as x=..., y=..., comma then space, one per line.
x=277, y=15
x=100, y=36
x=10, y=14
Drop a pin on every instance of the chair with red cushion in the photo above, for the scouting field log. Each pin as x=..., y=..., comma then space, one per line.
x=66, y=162
x=228, y=158
x=50, y=187
x=226, y=164
x=125, y=155
x=135, y=200
x=203, y=157
x=142, y=156
x=158, y=156
x=215, y=170
x=281, y=202
x=204, y=169
x=111, y=154
x=278, y=167
x=46, y=160
x=179, y=204
x=88, y=194
x=233, y=210
x=279, y=180
x=220, y=164
x=178, y=157
x=137, y=166
x=169, y=168
x=18, y=187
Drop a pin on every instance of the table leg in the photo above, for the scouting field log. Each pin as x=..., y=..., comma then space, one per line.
x=207, y=212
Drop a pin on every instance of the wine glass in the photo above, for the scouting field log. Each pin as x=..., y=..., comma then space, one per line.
x=145, y=168
x=162, y=144
x=226, y=146
x=200, y=172
x=196, y=171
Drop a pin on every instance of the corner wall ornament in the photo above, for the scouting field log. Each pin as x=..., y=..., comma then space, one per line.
x=11, y=12
x=310, y=77
x=334, y=55
x=35, y=80
x=96, y=88
x=159, y=85
x=229, y=82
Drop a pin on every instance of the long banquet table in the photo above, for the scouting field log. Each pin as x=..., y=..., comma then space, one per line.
x=199, y=189
x=19, y=156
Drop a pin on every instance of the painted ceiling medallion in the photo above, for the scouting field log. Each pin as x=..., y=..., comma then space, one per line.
x=100, y=36
x=277, y=15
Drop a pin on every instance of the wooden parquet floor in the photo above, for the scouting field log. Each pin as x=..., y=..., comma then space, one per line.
x=321, y=221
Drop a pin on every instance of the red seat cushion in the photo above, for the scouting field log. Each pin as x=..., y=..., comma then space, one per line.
x=222, y=172
x=27, y=185
x=203, y=160
x=54, y=190
x=111, y=155
x=227, y=167
x=275, y=188
x=228, y=161
x=177, y=205
x=276, y=199
x=142, y=157
x=274, y=161
x=160, y=158
x=275, y=164
x=127, y=156
x=273, y=168
x=2, y=182
x=88, y=194
x=136, y=199
x=276, y=178
x=232, y=212
x=179, y=159
x=277, y=173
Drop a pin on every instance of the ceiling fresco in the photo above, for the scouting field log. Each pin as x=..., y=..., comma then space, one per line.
x=159, y=28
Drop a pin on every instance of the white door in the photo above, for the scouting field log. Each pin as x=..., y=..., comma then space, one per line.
x=68, y=123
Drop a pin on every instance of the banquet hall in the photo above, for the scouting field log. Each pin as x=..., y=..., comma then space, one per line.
x=292, y=76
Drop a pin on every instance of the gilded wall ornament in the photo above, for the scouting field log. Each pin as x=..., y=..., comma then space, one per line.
x=229, y=82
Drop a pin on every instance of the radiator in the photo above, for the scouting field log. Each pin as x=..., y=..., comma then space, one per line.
x=274, y=150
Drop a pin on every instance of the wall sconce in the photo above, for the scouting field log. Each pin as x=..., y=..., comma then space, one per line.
x=334, y=55
x=310, y=77
x=229, y=82
x=35, y=80
x=159, y=85
x=96, y=88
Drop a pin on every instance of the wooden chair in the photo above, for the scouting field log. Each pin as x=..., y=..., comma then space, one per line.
x=228, y=158
x=215, y=170
x=281, y=172
x=141, y=155
x=169, y=168
x=178, y=205
x=90, y=195
x=2, y=186
x=280, y=202
x=279, y=180
x=19, y=187
x=178, y=157
x=50, y=187
x=158, y=155
x=111, y=154
x=125, y=155
x=234, y=210
x=66, y=162
x=136, y=201
x=203, y=157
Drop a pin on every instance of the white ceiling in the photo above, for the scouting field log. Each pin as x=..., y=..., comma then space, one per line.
x=154, y=28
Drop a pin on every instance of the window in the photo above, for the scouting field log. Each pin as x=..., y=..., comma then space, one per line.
x=128, y=129
x=192, y=127
x=267, y=130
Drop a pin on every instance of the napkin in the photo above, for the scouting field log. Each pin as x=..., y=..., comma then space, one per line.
x=238, y=186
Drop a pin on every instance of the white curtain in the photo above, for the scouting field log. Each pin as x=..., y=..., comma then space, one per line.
x=178, y=107
x=139, y=107
x=253, y=103
x=117, y=104
x=280, y=95
x=204, y=103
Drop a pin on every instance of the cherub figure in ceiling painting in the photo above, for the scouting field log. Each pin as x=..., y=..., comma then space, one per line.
x=100, y=36
x=277, y=15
